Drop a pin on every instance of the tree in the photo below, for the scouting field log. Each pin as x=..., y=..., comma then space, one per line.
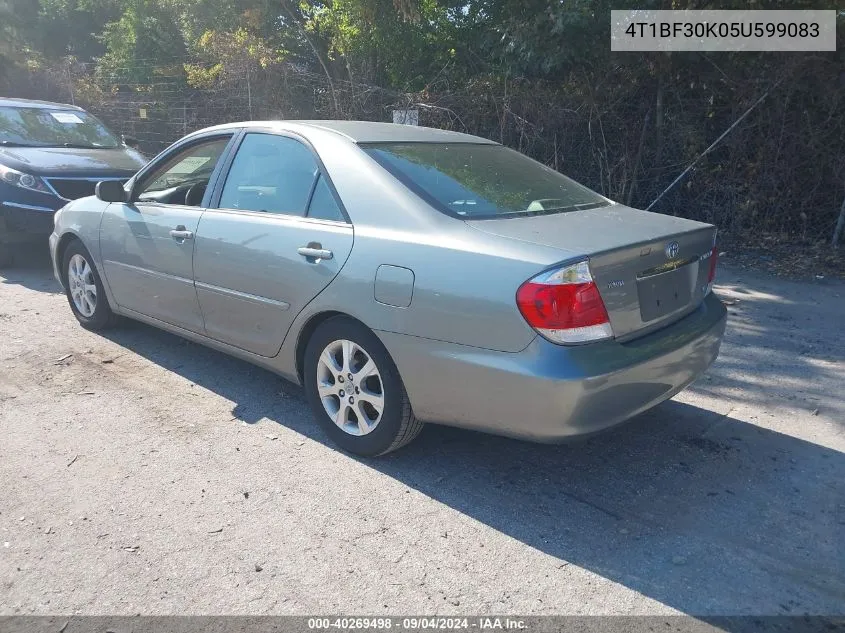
x=146, y=36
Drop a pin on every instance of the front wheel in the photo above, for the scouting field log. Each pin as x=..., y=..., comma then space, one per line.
x=355, y=390
x=84, y=289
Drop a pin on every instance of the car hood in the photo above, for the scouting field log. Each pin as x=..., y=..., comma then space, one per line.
x=66, y=161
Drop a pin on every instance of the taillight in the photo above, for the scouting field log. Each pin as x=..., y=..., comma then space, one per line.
x=564, y=305
x=711, y=276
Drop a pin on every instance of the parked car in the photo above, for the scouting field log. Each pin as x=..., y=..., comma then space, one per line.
x=402, y=275
x=51, y=153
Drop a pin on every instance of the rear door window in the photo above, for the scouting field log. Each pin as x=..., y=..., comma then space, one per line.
x=323, y=204
x=270, y=174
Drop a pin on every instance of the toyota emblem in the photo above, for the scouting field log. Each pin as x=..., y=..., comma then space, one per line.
x=672, y=249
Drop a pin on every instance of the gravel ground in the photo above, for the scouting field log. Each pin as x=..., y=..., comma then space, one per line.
x=144, y=474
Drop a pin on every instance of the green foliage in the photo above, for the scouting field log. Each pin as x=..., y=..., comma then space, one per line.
x=537, y=75
x=17, y=17
x=146, y=37
x=229, y=55
x=401, y=43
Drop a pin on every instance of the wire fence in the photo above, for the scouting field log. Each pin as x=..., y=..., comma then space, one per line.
x=782, y=170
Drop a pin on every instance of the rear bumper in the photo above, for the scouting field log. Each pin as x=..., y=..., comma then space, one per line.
x=549, y=392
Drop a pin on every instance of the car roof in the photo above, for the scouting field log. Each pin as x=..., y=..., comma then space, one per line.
x=8, y=102
x=365, y=131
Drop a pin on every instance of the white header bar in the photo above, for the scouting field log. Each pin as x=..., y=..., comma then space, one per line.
x=751, y=30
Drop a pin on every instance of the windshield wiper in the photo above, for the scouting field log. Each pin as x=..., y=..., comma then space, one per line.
x=47, y=145
x=84, y=146
x=16, y=144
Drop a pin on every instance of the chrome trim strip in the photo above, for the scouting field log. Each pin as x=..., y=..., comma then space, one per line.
x=28, y=207
x=55, y=193
x=148, y=272
x=668, y=267
x=282, y=305
x=211, y=288
x=290, y=217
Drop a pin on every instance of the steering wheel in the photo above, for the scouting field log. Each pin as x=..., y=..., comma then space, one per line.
x=194, y=196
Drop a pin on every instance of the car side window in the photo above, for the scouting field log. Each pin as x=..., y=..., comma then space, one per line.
x=272, y=174
x=323, y=204
x=183, y=178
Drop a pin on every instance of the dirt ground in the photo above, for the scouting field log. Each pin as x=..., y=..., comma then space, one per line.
x=144, y=474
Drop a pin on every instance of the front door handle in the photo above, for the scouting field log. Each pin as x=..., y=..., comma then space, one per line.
x=180, y=234
x=314, y=252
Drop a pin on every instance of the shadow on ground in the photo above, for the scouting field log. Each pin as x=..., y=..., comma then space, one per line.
x=784, y=340
x=702, y=512
x=695, y=509
x=32, y=268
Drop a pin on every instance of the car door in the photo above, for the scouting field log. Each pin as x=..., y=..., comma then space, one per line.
x=275, y=237
x=147, y=244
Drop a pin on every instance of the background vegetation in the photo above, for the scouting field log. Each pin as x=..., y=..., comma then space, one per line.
x=537, y=75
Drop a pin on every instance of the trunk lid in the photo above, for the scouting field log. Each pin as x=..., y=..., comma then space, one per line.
x=651, y=269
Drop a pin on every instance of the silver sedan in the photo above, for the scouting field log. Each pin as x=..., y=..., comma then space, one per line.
x=402, y=275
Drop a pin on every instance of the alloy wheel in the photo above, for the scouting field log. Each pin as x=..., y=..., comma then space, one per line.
x=83, y=289
x=350, y=387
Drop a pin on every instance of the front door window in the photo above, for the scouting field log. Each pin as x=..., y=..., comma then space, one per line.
x=183, y=179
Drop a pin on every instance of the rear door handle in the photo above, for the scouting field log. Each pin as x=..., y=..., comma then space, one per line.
x=180, y=234
x=311, y=252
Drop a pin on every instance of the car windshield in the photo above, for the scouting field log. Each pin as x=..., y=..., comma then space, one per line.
x=46, y=127
x=482, y=181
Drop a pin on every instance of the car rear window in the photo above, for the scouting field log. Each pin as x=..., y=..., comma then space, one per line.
x=478, y=181
x=47, y=127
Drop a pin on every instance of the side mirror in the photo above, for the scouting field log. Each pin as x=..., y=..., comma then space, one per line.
x=111, y=191
x=131, y=141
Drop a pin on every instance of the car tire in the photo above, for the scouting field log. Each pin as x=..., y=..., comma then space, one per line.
x=84, y=289
x=342, y=347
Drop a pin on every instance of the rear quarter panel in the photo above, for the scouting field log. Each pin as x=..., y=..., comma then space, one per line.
x=462, y=293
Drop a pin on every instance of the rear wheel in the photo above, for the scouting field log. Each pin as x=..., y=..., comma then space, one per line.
x=355, y=390
x=84, y=289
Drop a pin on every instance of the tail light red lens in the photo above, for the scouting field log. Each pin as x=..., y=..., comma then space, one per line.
x=565, y=306
x=711, y=276
x=714, y=258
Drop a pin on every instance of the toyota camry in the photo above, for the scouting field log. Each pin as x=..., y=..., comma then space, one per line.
x=401, y=275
